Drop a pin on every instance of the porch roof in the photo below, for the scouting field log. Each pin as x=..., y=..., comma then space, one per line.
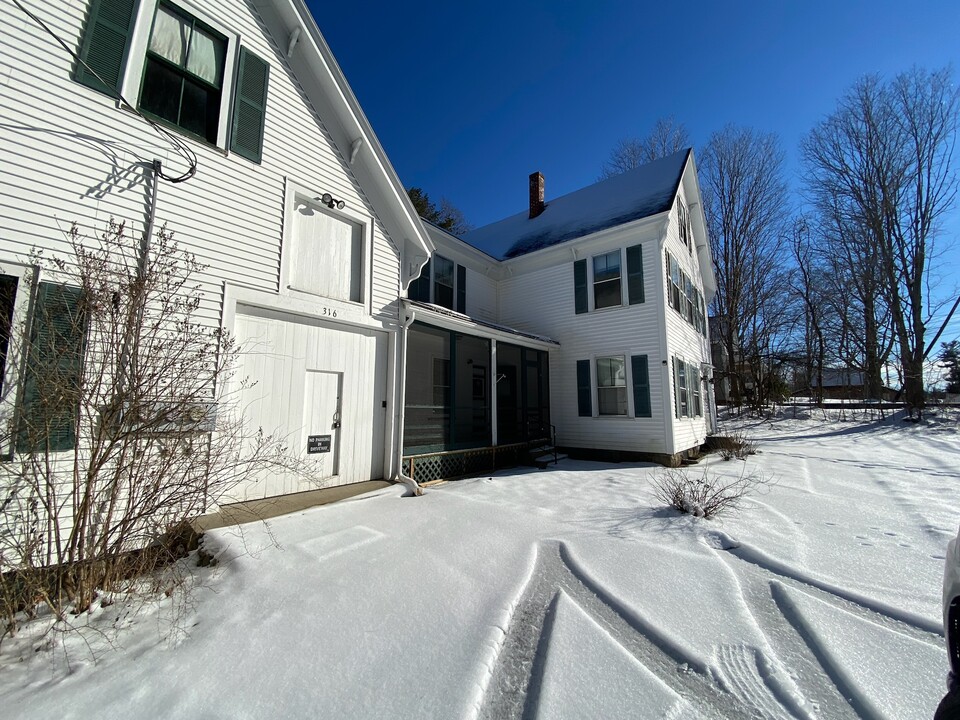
x=442, y=316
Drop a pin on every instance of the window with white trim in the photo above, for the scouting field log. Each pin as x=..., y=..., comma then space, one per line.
x=611, y=386
x=443, y=279
x=606, y=280
x=688, y=399
x=441, y=282
x=683, y=225
x=684, y=296
x=178, y=67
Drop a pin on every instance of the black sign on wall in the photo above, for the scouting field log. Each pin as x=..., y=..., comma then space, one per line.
x=318, y=443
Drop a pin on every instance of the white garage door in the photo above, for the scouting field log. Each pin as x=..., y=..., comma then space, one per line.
x=320, y=385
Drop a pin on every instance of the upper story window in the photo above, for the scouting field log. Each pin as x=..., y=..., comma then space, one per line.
x=683, y=225
x=179, y=68
x=683, y=296
x=443, y=274
x=607, y=280
x=183, y=73
x=441, y=282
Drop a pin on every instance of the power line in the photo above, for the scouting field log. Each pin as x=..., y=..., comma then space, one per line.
x=181, y=147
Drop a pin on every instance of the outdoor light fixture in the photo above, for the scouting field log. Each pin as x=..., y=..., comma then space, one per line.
x=331, y=202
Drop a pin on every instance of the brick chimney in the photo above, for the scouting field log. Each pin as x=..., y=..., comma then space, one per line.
x=536, y=194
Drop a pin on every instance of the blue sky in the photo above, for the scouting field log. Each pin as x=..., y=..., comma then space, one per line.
x=470, y=98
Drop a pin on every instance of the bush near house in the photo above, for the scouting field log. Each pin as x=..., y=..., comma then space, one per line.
x=118, y=425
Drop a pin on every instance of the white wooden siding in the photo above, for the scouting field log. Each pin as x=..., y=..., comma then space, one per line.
x=542, y=302
x=282, y=356
x=684, y=341
x=482, y=296
x=70, y=155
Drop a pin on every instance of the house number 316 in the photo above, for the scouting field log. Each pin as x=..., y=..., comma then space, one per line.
x=329, y=312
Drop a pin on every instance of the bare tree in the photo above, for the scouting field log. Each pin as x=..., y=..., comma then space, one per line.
x=808, y=287
x=124, y=429
x=746, y=208
x=881, y=164
x=667, y=137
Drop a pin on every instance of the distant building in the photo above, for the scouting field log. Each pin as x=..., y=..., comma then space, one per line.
x=846, y=384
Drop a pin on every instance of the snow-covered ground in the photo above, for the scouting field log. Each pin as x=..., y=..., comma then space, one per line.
x=565, y=593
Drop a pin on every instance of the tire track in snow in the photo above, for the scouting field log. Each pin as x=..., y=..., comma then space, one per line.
x=905, y=621
x=514, y=685
x=785, y=641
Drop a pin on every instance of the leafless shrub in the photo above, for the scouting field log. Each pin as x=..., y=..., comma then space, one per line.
x=734, y=445
x=707, y=494
x=123, y=429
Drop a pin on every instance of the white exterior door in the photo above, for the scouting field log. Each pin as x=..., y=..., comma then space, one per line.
x=321, y=420
x=320, y=386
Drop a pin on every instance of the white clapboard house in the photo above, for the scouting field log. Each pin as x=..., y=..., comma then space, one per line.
x=389, y=347
x=305, y=229
x=584, y=327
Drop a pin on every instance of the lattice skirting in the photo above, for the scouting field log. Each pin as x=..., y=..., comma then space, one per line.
x=462, y=463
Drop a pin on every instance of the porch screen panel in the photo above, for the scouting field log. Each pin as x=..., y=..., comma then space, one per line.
x=537, y=401
x=427, y=408
x=509, y=398
x=471, y=391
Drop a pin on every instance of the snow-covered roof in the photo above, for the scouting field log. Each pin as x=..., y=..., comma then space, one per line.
x=638, y=193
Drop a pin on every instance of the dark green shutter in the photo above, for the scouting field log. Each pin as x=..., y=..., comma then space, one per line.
x=676, y=388
x=106, y=38
x=635, y=274
x=580, y=286
x=641, y=386
x=249, y=106
x=584, y=394
x=51, y=392
x=420, y=288
x=461, y=289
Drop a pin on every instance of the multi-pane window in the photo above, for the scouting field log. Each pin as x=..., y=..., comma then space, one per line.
x=606, y=280
x=683, y=404
x=436, y=284
x=688, y=400
x=683, y=225
x=183, y=73
x=611, y=386
x=443, y=273
x=684, y=296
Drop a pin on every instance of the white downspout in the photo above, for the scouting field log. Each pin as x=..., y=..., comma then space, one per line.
x=415, y=489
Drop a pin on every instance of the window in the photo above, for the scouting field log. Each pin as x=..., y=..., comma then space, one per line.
x=611, y=386
x=436, y=279
x=683, y=404
x=443, y=273
x=177, y=68
x=606, y=280
x=183, y=73
x=684, y=296
x=420, y=288
x=688, y=400
x=683, y=225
